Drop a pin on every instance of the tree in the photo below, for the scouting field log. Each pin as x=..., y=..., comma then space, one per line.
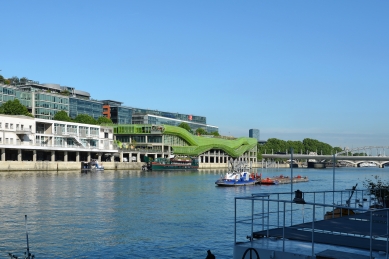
x=215, y=133
x=14, y=80
x=201, y=131
x=307, y=145
x=14, y=108
x=23, y=80
x=104, y=120
x=62, y=116
x=85, y=118
x=2, y=80
x=185, y=125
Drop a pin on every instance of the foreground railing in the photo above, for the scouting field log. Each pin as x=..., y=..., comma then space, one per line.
x=257, y=215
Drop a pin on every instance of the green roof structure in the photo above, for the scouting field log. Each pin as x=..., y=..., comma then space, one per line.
x=196, y=144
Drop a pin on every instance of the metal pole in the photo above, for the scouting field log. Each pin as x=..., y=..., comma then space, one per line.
x=313, y=230
x=235, y=224
x=371, y=234
x=283, y=231
x=291, y=185
x=333, y=179
x=28, y=247
x=252, y=221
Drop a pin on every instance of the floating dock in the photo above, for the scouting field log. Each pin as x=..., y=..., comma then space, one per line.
x=283, y=180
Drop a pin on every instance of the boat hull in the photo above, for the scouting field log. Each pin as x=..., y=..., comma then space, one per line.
x=232, y=183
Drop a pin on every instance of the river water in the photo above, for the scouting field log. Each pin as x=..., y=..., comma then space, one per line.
x=136, y=214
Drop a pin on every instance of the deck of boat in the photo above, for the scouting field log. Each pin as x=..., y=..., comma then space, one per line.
x=283, y=180
x=349, y=231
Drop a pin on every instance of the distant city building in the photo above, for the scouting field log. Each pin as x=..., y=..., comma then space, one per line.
x=116, y=112
x=45, y=100
x=254, y=133
x=160, y=120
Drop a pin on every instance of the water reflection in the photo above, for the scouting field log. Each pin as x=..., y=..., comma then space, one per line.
x=122, y=214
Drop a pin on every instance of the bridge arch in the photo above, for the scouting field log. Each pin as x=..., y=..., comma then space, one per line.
x=357, y=163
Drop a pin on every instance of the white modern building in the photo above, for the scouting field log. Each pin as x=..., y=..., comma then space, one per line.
x=24, y=138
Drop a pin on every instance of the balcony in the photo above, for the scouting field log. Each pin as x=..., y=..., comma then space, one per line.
x=23, y=131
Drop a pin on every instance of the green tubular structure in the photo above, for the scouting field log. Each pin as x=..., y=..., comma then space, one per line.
x=197, y=144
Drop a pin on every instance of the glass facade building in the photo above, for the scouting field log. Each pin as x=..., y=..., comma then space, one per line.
x=83, y=106
x=159, y=120
x=47, y=105
x=254, y=133
x=45, y=100
x=10, y=93
x=121, y=115
x=171, y=115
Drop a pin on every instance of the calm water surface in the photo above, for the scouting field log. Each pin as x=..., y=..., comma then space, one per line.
x=135, y=214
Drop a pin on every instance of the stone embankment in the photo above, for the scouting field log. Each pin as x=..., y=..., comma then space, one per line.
x=62, y=166
x=6, y=166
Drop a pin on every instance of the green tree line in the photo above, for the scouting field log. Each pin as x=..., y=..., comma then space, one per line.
x=274, y=145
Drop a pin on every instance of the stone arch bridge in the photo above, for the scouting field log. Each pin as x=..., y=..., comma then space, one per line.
x=379, y=158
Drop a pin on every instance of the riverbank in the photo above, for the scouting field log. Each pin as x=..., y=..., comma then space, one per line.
x=6, y=166
x=63, y=166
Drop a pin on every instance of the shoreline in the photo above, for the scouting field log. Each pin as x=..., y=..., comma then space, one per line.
x=8, y=166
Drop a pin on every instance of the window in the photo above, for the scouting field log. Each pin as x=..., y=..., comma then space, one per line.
x=11, y=125
x=17, y=126
x=6, y=125
x=0, y=125
x=105, y=134
x=6, y=140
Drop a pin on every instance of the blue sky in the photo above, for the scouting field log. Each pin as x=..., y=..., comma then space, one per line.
x=292, y=69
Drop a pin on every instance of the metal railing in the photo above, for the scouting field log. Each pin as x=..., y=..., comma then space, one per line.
x=261, y=213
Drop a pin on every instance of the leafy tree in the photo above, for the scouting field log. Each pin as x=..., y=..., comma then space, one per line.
x=215, y=133
x=313, y=145
x=185, y=125
x=2, y=80
x=85, y=118
x=201, y=131
x=307, y=145
x=7, y=81
x=14, y=108
x=104, y=120
x=337, y=150
x=23, y=80
x=14, y=80
x=62, y=116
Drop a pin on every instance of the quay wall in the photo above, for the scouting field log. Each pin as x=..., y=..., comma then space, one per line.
x=6, y=166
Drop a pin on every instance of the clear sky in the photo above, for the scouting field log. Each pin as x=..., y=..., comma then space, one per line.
x=292, y=69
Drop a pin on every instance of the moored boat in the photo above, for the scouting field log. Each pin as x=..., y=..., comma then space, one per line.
x=368, y=164
x=175, y=163
x=93, y=165
x=269, y=181
x=237, y=179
